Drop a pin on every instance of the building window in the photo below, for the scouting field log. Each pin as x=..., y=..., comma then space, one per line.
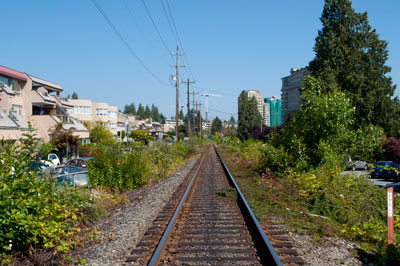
x=113, y=114
x=4, y=81
x=82, y=110
x=16, y=108
x=101, y=111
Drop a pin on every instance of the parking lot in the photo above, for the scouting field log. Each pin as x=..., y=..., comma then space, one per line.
x=374, y=181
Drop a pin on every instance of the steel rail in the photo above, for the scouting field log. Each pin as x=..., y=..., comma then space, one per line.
x=272, y=257
x=156, y=254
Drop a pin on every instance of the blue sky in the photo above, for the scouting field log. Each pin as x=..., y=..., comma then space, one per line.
x=230, y=45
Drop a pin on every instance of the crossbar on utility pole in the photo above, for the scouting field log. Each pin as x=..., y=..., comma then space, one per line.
x=177, y=91
x=188, y=105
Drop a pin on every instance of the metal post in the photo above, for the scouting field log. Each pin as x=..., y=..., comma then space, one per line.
x=390, y=215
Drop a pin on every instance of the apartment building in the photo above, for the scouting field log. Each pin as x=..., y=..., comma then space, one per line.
x=290, y=92
x=25, y=98
x=272, y=114
x=88, y=111
x=259, y=99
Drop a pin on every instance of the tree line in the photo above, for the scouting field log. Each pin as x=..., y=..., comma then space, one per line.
x=145, y=112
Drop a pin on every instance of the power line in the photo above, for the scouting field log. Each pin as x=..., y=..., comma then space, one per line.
x=221, y=111
x=177, y=35
x=169, y=21
x=141, y=30
x=97, y=5
x=155, y=26
x=228, y=94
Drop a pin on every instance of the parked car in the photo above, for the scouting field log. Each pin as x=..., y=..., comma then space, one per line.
x=386, y=170
x=79, y=162
x=356, y=163
x=71, y=175
x=52, y=160
x=41, y=168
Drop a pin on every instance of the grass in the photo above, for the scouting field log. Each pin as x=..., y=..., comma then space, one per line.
x=279, y=200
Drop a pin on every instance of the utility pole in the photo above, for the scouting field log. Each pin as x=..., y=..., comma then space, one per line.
x=188, y=105
x=194, y=93
x=200, y=123
x=177, y=92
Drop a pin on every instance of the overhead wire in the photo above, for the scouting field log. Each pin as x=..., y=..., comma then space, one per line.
x=155, y=26
x=209, y=90
x=114, y=28
x=141, y=30
x=179, y=40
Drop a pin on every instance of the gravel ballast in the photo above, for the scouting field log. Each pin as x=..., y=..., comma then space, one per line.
x=120, y=233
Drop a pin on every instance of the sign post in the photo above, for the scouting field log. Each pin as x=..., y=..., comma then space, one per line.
x=390, y=215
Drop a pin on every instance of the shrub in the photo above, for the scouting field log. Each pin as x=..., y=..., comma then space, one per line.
x=391, y=150
x=33, y=212
x=118, y=169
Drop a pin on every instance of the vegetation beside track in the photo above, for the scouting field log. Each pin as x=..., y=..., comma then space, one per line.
x=40, y=221
x=319, y=202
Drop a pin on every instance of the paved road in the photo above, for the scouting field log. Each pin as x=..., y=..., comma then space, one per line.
x=374, y=181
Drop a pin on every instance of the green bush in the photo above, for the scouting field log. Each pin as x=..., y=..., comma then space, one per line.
x=33, y=212
x=119, y=169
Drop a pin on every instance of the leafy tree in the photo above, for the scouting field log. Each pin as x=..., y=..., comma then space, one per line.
x=140, y=111
x=351, y=57
x=74, y=96
x=141, y=136
x=64, y=140
x=216, y=125
x=321, y=132
x=98, y=133
x=391, y=150
x=248, y=115
x=181, y=115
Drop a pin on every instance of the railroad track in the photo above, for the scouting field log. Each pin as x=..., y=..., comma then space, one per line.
x=208, y=222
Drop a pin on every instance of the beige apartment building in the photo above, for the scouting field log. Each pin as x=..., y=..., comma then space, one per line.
x=88, y=111
x=25, y=98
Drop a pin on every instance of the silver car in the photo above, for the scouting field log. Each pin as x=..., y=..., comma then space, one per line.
x=356, y=163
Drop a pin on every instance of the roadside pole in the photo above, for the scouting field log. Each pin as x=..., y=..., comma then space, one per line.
x=390, y=215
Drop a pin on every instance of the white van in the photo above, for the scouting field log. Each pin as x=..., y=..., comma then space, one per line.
x=52, y=160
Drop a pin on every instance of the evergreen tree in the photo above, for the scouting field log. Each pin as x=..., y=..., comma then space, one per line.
x=147, y=112
x=140, y=111
x=181, y=115
x=248, y=115
x=350, y=57
x=133, y=109
x=216, y=125
x=74, y=96
x=155, y=115
x=162, y=119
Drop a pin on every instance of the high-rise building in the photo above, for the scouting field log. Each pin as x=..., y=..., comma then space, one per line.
x=259, y=99
x=291, y=91
x=272, y=114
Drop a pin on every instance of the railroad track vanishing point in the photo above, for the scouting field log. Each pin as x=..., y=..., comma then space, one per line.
x=201, y=225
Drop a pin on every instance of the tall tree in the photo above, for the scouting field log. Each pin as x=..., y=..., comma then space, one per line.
x=216, y=125
x=140, y=111
x=351, y=57
x=74, y=96
x=155, y=115
x=147, y=112
x=181, y=115
x=248, y=115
